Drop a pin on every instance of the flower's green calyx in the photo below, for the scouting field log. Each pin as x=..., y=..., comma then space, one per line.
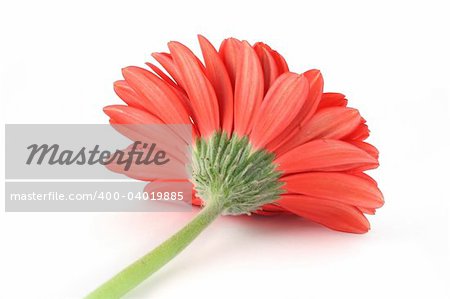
x=231, y=172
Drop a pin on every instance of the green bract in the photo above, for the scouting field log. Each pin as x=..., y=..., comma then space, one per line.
x=230, y=172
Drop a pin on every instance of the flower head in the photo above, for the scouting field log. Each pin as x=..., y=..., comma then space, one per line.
x=266, y=140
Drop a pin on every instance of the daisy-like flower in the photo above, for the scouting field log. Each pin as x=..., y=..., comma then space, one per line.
x=266, y=141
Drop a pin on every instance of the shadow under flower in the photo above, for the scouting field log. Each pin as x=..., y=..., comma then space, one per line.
x=229, y=236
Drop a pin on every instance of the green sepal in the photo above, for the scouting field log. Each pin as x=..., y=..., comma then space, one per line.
x=230, y=171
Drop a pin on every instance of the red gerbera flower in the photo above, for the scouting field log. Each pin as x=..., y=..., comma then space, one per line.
x=280, y=145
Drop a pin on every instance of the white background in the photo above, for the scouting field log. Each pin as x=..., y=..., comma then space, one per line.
x=57, y=65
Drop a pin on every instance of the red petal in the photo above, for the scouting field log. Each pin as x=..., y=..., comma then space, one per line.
x=268, y=63
x=127, y=94
x=315, y=80
x=370, y=149
x=332, y=99
x=281, y=143
x=218, y=76
x=157, y=96
x=163, y=76
x=340, y=187
x=165, y=59
x=325, y=155
x=361, y=132
x=281, y=62
x=329, y=123
x=279, y=109
x=229, y=51
x=364, y=176
x=333, y=123
x=249, y=90
x=128, y=115
x=367, y=211
x=199, y=89
x=332, y=214
x=271, y=210
x=121, y=114
x=196, y=201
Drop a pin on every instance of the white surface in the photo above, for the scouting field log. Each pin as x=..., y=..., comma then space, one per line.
x=57, y=65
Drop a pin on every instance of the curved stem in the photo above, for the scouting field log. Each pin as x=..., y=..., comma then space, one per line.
x=141, y=269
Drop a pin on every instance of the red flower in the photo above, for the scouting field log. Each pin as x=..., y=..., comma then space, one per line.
x=247, y=90
x=265, y=141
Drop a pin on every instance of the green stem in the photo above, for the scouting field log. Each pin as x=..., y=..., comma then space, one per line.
x=141, y=269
